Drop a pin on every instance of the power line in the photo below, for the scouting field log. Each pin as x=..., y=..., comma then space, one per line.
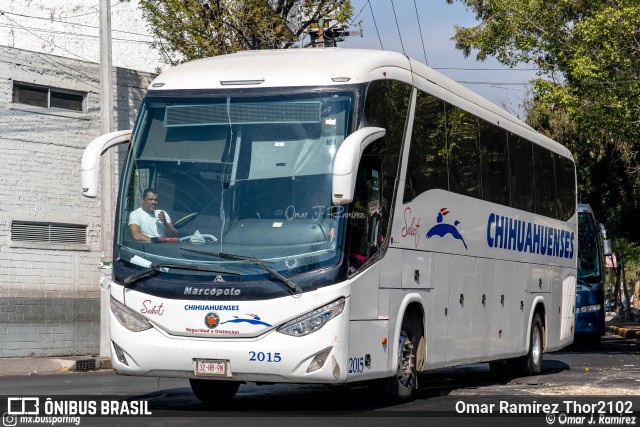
x=398, y=27
x=494, y=83
x=49, y=60
x=55, y=64
x=361, y=9
x=83, y=14
x=65, y=33
x=44, y=40
x=421, y=37
x=484, y=69
x=497, y=86
x=375, y=24
x=89, y=13
x=69, y=23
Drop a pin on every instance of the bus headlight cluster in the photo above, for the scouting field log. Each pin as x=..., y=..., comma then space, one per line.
x=589, y=308
x=129, y=318
x=313, y=321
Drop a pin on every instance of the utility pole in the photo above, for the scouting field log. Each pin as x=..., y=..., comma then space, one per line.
x=331, y=35
x=321, y=32
x=106, y=172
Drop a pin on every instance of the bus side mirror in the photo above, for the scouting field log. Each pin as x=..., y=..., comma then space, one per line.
x=605, y=242
x=345, y=165
x=90, y=165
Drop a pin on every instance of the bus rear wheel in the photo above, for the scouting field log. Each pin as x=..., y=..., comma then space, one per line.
x=531, y=363
x=212, y=391
x=402, y=385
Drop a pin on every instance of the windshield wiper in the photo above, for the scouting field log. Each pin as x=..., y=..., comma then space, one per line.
x=153, y=270
x=295, y=289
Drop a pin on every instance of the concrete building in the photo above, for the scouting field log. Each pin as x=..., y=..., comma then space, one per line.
x=70, y=28
x=49, y=234
x=49, y=110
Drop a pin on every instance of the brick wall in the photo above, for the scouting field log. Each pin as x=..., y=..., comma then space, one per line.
x=49, y=292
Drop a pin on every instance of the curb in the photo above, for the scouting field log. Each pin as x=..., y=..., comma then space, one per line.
x=52, y=365
x=624, y=332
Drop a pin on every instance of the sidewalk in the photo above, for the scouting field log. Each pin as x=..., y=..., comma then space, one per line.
x=52, y=365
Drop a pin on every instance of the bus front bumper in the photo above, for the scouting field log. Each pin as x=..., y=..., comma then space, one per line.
x=319, y=357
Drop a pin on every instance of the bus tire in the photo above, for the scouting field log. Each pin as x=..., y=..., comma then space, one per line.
x=402, y=385
x=531, y=363
x=212, y=391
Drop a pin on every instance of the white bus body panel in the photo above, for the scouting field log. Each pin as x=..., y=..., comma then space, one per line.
x=457, y=269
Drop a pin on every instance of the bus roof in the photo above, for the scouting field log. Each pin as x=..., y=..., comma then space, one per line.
x=585, y=208
x=327, y=67
x=281, y=67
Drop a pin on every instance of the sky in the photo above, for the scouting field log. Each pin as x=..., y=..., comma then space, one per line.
x=436, y=20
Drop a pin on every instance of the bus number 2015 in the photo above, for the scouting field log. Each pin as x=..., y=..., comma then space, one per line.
x=356, y=365
x=259, y=356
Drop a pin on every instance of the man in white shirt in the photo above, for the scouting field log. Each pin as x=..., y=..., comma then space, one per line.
x=147, y=222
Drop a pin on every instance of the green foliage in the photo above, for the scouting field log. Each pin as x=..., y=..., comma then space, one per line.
x=631, y=253
x=192, y=29
x=588, y=94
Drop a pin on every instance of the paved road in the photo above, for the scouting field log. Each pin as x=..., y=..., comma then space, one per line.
x=611, y=374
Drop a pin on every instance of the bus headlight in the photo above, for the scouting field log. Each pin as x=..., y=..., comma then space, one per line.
x=313, y=321
x=129, y=318
x=589, y=308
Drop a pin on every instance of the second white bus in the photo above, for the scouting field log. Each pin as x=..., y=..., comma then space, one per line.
x=342, y=216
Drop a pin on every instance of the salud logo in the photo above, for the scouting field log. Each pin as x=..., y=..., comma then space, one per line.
x=211, y=320
x=442, y=228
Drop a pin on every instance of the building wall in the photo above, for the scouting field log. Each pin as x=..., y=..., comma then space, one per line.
x=49, y=292
x=70, y=28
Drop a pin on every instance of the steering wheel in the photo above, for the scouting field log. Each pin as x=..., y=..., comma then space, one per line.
x=208, y=238
x=185, y=219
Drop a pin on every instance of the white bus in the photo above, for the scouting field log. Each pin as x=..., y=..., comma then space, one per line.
x=342, y=216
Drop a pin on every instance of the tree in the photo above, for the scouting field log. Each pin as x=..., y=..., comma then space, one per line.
x=191, y=29
x=588, y=93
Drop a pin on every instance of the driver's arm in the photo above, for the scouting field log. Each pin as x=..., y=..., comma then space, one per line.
x=136, y=233
x=171, y=230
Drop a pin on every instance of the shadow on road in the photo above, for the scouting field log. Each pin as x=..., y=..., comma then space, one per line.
x=609, y=344
x=297, y=399
x=301, y=399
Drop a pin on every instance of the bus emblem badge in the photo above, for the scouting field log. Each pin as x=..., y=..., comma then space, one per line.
x=212, y=320
x=218, y=279
x=442, y=228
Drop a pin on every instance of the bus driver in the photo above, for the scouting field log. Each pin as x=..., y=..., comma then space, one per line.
x=147, y=222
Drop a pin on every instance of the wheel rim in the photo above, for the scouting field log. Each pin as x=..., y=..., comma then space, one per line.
x=405, y=360
x=536, y=346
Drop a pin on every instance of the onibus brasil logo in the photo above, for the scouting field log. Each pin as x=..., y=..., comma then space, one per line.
x=441, y=229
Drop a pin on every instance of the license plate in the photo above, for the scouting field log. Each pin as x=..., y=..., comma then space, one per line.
x=212, y=367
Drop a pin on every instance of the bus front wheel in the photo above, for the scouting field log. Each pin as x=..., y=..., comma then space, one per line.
x=212, y=391
x=405, y=381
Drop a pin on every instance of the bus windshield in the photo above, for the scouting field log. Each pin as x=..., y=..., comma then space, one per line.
x=589, y=260
x=242, y=175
